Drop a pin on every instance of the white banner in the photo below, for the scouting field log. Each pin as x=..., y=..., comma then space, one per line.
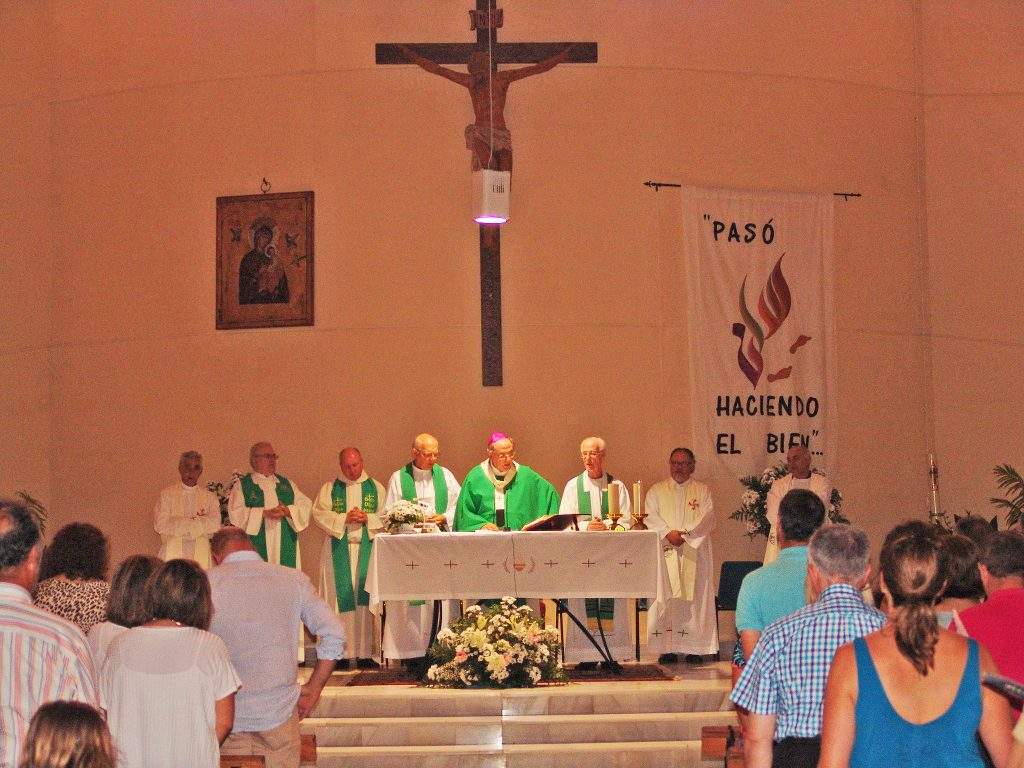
x=759, y=270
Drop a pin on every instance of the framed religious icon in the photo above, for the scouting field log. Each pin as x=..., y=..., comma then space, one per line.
x=265, y=260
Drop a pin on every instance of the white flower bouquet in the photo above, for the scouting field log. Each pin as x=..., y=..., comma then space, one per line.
x=402, y=516
x=501, y=646
x=753, y=511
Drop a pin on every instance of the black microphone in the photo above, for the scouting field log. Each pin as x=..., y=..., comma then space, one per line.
x=499, y=519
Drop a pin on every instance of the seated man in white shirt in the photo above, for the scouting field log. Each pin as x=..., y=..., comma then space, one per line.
x=256, y=607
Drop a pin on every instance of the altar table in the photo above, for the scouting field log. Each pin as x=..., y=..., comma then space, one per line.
x=486, y=564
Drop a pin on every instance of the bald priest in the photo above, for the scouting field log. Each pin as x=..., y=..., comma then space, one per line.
x=500, y=493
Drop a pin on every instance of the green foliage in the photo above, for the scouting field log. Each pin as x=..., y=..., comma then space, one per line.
x=753, y=510
x=1012, y=484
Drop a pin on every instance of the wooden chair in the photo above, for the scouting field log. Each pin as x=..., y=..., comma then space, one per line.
x=307, y=755
x=722, y=742
x=242, y=761
x=307, y=749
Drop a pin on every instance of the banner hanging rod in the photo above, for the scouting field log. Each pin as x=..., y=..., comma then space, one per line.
x=657, y=185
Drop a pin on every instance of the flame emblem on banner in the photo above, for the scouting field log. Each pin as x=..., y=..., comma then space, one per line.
x=773, y=306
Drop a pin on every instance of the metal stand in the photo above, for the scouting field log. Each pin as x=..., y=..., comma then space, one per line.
x=606, y=654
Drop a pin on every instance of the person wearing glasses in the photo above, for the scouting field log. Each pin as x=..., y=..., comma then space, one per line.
x=681, y=510
x=500, y=493
x=422, y=481
x=270, y=508
x=589, y=495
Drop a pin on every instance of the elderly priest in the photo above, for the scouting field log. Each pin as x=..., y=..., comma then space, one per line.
x=500, y=493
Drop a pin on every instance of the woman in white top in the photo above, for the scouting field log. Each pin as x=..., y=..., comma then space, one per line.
x=126, y=605
x=168, y=685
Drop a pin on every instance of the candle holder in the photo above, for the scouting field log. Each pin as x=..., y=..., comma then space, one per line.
x=614, y=516
x=638, y=523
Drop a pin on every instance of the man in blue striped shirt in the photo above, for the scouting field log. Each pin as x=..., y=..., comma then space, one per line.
x=783, y=683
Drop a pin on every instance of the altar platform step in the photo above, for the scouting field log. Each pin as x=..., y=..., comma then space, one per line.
x=601, y=724
x=657, y=754
x=704, y=694
x=512, y=729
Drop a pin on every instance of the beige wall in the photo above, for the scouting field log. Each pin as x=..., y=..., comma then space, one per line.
x=26, y=266
x=973, y=89
x=158, y=108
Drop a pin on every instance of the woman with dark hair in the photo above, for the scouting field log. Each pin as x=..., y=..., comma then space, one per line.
x=73, y=575
x=168, y=684
x=67, y=734
x=126, y=606
x=963, y=581
x=910, y=694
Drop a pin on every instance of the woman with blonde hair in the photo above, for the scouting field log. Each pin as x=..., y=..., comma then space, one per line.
x=910, y=694
x=67, y=734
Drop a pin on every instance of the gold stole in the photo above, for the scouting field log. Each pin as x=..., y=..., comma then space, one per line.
x=681, y=562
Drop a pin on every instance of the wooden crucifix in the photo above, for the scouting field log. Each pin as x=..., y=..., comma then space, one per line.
x=488, y=137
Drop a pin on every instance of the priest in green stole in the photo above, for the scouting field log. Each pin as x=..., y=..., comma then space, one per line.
x=680, y=509
x=423, y=481
x=500, y=487
x=587, y=495
x=270, y=508
x=347, y=510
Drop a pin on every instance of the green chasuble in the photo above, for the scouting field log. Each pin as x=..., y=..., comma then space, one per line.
x=253, y=496
x=527, y=497
x=440, y=487
x=348, y=598
x=604, y=605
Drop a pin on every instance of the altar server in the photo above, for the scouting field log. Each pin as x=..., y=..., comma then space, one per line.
x=347, y=509
x=680, y=509
x=270, y=508
x=422, y=480
x=798, y=461
x=590, y=495
x=187, y=515
x=502, y=493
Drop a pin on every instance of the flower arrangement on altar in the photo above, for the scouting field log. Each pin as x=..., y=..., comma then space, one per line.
x=753, y=511
x=502, y=646
x=223, y=492
x=402, y=516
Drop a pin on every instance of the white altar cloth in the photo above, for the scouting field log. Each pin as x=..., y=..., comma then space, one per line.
x=486, y=564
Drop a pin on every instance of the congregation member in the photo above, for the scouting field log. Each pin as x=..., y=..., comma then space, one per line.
x=168, y=685
x=73, y=576
x=977, y=529
x=423, y=480
x=68, y=734
x=680, y=509
x=186, y=515
x=1016, y=759
x=270, y=508
x=256, y=608
x=800, y=475
x=126, y=606
x=782, y=686
x=910, y=693
x=998, y=623
x=348, y=510
x=45, y=658
x=589, y=496
x=500, y=493
x=964, y=587
x=779, y=588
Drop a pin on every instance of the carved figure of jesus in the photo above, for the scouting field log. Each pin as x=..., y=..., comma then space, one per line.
x=489, y=137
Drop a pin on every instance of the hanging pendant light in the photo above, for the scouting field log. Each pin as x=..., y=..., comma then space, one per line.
x=491, y=193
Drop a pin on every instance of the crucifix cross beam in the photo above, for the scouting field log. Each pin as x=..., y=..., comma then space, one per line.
x=488, y=137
